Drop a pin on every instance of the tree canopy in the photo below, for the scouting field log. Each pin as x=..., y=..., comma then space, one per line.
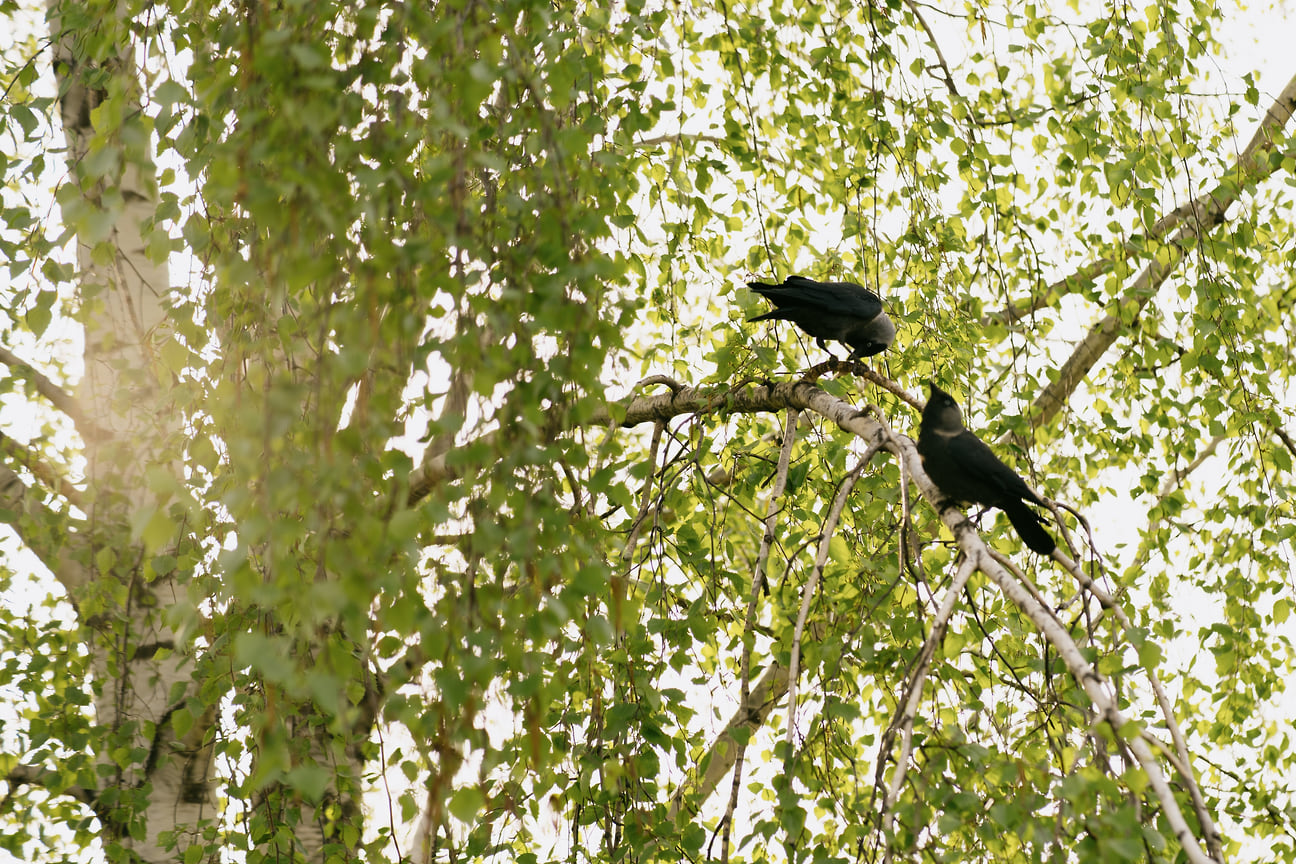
x=392, y=473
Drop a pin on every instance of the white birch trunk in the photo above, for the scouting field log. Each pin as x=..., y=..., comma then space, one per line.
x=136, y=662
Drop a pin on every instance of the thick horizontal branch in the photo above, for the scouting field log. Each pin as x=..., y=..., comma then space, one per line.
x=680, y=401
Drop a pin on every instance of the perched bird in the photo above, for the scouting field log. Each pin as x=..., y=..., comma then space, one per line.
x=843, y=311
x=965, y=469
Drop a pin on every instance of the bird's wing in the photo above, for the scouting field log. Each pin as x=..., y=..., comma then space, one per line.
x=980, y=463
x=843, y=298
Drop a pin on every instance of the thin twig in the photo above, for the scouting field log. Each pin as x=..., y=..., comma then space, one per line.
x=913, y=697
x=758, y=583
x=812, y=583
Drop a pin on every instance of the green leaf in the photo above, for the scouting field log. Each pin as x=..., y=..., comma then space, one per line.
x=466, y=803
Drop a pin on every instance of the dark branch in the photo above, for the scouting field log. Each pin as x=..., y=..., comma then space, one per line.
x=53, y=480
x=26, y=513
x=30, y=775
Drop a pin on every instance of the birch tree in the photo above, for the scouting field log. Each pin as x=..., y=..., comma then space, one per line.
x=392, y=474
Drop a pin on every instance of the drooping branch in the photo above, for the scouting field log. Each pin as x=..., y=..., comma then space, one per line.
x=812, y=584
x=42, y=530
x=28, y=458
x=1182, y=761
x=1099, y=690
x=50, y=780
x=1204, y=213
x=53, y=393
x=903, y=721
x=772, y=509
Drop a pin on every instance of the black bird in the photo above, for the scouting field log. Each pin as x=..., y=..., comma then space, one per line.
x=965, y=469
x=843, y=311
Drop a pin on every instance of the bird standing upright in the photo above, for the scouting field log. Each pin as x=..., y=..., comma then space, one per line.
x=842, y=311
x=965, y=469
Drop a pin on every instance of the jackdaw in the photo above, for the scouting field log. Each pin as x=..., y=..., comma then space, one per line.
x=966, y=470
x=843, y=311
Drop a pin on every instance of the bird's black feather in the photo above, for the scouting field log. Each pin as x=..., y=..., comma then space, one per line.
x=965, y=469
x=842, y=311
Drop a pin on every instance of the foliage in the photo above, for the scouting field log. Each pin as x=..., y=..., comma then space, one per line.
x=407, y=553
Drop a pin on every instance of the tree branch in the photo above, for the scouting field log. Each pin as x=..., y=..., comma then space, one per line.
x=904, y=720
x=805, y=396
x=49, y=780
x=1248, y=170
x=750, y=716
x=53, y=393
x=750, y=399
x=52, y=479
x=42, y=530
x=1204, y=214
x=772, y=509
x=812, y=585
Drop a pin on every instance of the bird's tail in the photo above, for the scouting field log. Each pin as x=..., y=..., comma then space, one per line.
x=764, y=289
x=1029, y=527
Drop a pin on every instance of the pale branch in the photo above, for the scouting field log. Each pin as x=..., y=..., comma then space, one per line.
x=1020, y=575
x=1104, y=700
x=1207, y=211
x=804, y=396
x=53, y=393
x=1248, y=169
x=1168, y=485
x=1098, y=689
x=1049, y=295
x=1091, y=271
x=44, y=531
x=858, y=369
x=812, y=585
x=50, y=478
x=679, y=137
x=749, y=399
x=1177, y=476
x=1183, y=757
x=772, y=509
x=723, y=753
x=904, y=720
